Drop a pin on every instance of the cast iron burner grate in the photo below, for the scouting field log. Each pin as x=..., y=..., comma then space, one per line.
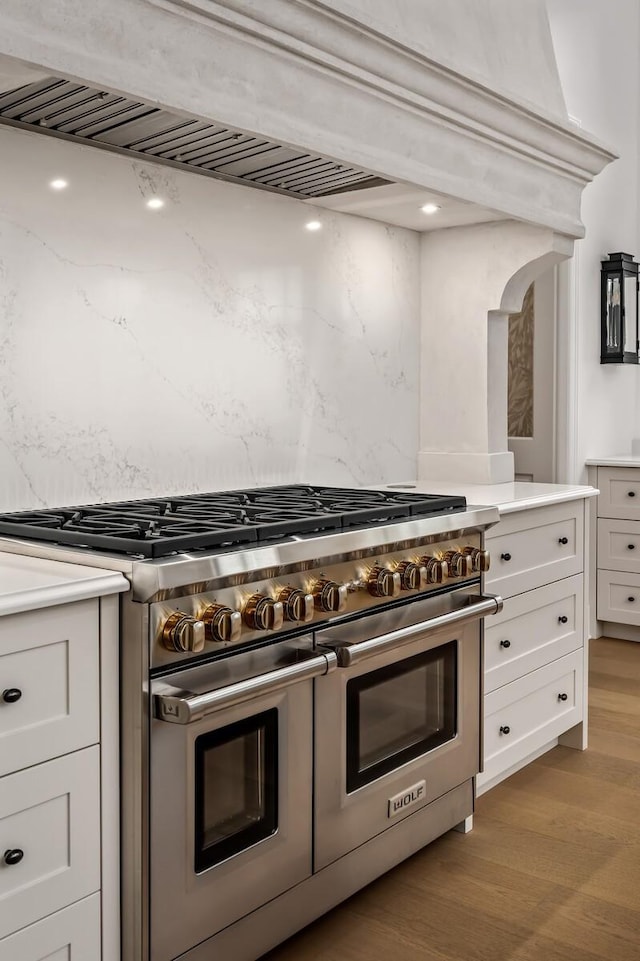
x=157, y=527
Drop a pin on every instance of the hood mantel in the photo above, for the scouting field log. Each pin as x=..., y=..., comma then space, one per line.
x=315, y=75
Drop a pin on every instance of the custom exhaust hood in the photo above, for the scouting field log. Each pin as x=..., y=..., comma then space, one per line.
x=78, y=112
x=315, y=98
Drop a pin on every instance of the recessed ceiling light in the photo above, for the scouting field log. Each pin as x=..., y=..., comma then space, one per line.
x=430, y=208
x=155, y=203
x=313, y=225
x=58, y=184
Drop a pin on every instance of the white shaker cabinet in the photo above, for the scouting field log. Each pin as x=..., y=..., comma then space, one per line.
x=535, y=655
x=72, y=934
x=618, y=548
x=49, y=684
x=59, y=885
x=535, y=649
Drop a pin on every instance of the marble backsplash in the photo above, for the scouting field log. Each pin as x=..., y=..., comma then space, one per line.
x=212, y=343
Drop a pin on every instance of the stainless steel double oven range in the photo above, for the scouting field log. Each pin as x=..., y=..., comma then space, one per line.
x=300, y=703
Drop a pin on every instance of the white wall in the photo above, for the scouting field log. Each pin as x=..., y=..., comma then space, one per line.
x=212, y=343
x=597, y=51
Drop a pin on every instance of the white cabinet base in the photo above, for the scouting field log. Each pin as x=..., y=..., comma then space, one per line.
x=72, y=934
x=618, y=551
x=535, y=652
x=51, y=814
x=522, y=717
x=484, y=781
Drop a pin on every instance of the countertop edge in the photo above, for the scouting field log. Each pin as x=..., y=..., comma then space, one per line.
x=543, y=500
x=623, y=461
x=38, y=597
x=507, y=497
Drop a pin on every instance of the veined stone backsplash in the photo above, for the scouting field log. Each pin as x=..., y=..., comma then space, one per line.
x=209, y=344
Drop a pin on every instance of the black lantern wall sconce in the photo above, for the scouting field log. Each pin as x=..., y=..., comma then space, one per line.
x=619, y=310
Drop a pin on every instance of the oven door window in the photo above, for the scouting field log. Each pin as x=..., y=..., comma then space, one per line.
x=399, y=712
x=236, y=790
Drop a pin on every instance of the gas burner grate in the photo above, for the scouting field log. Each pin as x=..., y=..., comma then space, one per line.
x=157, y=527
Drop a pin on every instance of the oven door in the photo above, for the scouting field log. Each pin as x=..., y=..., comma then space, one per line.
x=230, y=790
x=407, y=702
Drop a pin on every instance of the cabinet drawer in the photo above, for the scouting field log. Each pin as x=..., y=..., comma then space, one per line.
x=619, y=545
x=619, y=597
x=49, y=660
x=72, y=934
x=532, y=630
x=619, y=492
x=534, y=547
x=50, y=812
x=523, y=716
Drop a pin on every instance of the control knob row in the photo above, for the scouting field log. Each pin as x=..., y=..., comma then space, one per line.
x=184, y=633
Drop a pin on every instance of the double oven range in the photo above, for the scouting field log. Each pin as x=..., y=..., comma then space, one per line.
x=300, y=698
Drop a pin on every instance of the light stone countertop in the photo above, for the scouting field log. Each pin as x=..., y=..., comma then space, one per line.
x=622, y=460
x=508, y=498
x=28, y=583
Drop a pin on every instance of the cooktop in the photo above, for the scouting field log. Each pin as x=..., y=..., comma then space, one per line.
x=159, y=526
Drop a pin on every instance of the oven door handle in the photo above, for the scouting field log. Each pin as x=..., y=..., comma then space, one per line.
x=349, y=654
x=184, y=708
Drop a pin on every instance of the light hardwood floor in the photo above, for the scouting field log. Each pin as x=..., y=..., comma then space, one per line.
x=550, y=872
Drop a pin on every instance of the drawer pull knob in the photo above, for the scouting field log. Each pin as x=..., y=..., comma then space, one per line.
x=563, y=618
x=631, y=494
x=563, y=697
x=505, y=643
x=11, y=695
x=13, y=856
x=631, y=547
x=505, y=557
x=631, y=599
x=505, y=729
x=563, y=540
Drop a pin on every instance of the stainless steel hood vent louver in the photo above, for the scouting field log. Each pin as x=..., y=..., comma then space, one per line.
x=76, y=112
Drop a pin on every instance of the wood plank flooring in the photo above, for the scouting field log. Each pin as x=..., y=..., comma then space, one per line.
x=550, y=872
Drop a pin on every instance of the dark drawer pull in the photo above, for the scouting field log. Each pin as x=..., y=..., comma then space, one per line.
x=563, y=697
x=505, y=729
x=505, y=557
x=631, y=494
x=631, y=599
x=631, y=547
x=563, y=540
x=13, y=856
x=505, y=643
x=563, y=618
x=11, y=695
